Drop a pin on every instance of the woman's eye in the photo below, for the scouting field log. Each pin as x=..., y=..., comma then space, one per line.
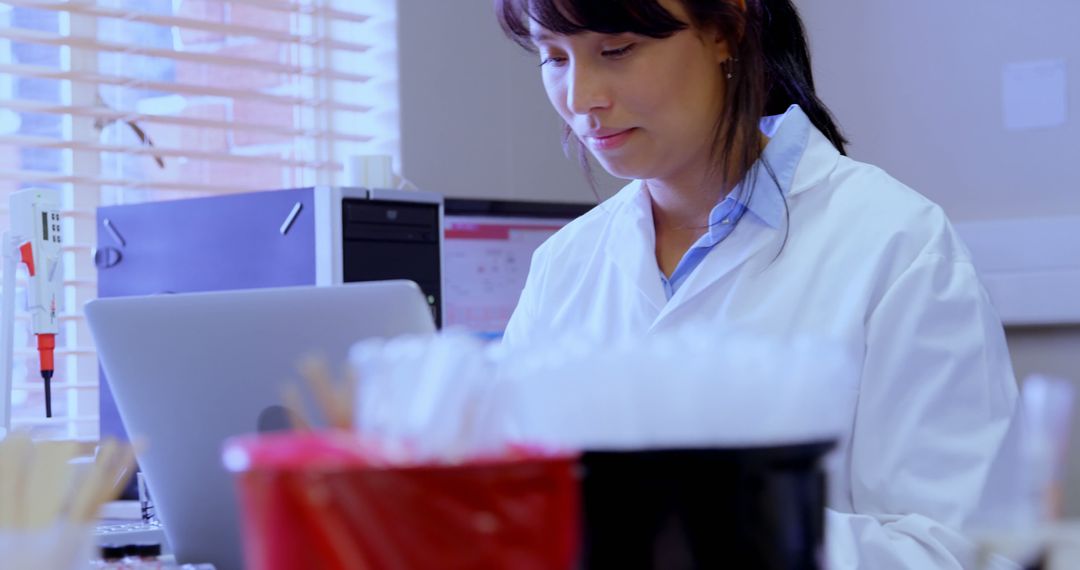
x=552, y=60
x=617, y=52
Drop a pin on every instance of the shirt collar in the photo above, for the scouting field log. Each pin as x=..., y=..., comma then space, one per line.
x=789, y=134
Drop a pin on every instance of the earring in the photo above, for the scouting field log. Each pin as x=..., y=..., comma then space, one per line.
x=729, y=65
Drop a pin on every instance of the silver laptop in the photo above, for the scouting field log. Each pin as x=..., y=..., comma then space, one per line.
x=190, y=370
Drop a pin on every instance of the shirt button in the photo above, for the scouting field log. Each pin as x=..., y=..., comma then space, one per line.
x=725, y=221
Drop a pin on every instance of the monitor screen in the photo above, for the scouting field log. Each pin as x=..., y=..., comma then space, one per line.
x=486, y=256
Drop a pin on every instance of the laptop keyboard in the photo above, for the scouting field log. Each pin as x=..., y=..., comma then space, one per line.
x=118, y=528
x=122, y=531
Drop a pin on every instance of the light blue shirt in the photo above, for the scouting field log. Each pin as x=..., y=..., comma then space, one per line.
x=789, y=134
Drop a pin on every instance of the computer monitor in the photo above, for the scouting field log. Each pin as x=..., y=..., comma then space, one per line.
x=486, y=256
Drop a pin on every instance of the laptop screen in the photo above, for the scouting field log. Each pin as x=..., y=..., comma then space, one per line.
x=487, y=253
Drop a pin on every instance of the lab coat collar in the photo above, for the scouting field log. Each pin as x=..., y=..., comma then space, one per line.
x=773, y=175
x=818, y=161
x=752, y=234
x=632, y=243
x=748, y=239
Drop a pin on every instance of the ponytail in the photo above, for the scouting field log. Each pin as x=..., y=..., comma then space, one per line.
x=788, y=74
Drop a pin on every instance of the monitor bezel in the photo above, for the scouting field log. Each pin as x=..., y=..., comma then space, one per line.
x=495, y=208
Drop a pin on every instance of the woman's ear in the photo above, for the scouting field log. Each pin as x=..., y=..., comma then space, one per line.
x=723, y=43
x=722, y=49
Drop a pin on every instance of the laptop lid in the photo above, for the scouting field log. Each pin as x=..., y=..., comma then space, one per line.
x=190, y=370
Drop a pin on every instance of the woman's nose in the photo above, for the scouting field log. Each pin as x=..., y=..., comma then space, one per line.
x=586, y=91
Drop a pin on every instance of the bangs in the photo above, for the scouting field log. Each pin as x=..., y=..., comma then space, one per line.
x=569, y=17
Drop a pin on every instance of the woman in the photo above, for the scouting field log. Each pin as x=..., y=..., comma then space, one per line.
x=764, y=223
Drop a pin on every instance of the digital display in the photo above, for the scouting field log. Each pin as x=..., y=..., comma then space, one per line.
x=486, y=262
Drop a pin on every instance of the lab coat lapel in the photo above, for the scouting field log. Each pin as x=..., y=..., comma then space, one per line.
x=632, y=247
x=749, y=238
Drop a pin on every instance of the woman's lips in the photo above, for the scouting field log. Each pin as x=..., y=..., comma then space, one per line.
x=604, y=141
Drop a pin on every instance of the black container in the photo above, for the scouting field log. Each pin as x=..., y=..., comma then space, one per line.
x=760, y=508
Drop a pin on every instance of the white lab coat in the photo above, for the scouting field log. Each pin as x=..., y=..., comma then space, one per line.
x=868, y=262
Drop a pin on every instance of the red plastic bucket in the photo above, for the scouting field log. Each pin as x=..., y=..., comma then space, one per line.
x=330, y=501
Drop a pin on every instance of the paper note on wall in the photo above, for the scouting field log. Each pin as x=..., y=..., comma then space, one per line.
x=1035, y=94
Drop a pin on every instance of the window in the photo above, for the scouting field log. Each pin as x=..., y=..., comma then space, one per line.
x=123, y=101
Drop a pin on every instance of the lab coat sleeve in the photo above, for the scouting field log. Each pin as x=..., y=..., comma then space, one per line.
x=937, y=395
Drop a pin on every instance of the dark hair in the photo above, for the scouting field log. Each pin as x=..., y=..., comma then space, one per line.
x=772, y=69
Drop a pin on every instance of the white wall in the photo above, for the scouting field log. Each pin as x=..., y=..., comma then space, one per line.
x=474, y=118
x=917, y=85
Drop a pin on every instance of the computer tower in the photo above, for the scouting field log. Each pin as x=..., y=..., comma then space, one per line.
x=280, y=238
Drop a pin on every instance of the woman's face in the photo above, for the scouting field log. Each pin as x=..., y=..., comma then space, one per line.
x=646, y=108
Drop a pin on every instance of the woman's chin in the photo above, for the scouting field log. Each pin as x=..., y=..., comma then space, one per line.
x=621, y=169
